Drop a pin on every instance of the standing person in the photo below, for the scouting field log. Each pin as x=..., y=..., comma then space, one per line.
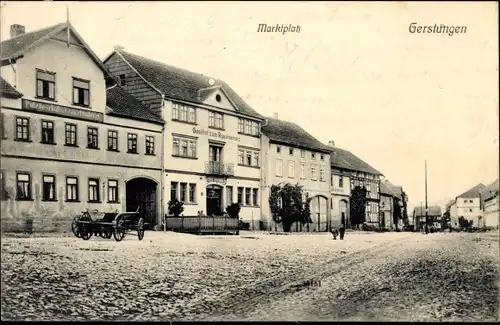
x=342, y=227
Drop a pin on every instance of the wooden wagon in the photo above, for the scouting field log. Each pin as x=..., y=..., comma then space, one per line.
x=110, y=224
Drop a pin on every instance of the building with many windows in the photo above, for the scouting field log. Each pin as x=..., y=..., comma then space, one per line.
x=71, y=138
x=292, y=155
x=212, y=154
x=467, y=205
x=347, y=172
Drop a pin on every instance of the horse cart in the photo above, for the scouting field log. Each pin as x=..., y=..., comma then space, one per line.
x=110, y=224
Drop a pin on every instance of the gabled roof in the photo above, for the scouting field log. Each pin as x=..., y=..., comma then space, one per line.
x=344, y=159
x=123, y=104
x=177, y=83
x=291, y=134
x=473, y=192
x=434, y=210
x=15, y=48
x=389, y=189
x=450, y=203
x=490, y=191
x=6, y=90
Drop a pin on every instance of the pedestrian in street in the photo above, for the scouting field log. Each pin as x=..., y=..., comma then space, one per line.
x=342, y=227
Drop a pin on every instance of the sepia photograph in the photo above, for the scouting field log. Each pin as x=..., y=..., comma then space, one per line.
x=249, y=161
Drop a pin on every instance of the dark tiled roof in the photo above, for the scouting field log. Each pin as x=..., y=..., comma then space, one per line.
x=12, y=48
x=177, y=83
x=124, y=104
x=490, y=191
x=388, y=188
x=341, y=158
x=473, y=192
x=434, y=210
x=6, y=90
x=449, y=204
x=291, y=134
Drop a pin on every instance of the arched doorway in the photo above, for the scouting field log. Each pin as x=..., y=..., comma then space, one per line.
x=319, y=213
x=141, y=192
x=214, y=200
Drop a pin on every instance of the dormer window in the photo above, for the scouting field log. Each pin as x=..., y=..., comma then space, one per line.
x=218, y=98
x=123, y=80
x=45, y=84
x=81, y=89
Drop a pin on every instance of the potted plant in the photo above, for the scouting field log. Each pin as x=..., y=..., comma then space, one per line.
x=175, y=207
x=233, y=210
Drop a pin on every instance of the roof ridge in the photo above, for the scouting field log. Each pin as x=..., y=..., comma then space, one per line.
x=166, y=64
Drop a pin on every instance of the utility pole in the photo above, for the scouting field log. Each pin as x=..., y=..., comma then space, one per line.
x=426, y=208
x=421, y=213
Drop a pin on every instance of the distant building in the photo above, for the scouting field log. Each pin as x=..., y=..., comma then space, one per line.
x=433, y=214
x=490, y=205
x=468, y=205
x=390, y=195
x=71, y=138
x=349, y=171
x=292, y=155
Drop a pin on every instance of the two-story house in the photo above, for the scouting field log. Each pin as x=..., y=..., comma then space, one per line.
x=292, y=155
x=468, y=205
x=391, y=197
x=211, y=152
x=71, y=139
x=349, y=171
x=433, y=216
x=491, y=214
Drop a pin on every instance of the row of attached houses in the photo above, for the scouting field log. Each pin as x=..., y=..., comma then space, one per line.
x=129, y=132
x=479, y=204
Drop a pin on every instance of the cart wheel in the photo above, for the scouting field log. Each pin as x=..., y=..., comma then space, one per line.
x=119, y=231
x=140, y=228
x=85, y=232
x=75, y=228
x=106, y=232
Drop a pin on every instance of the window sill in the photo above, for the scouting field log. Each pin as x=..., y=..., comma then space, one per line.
x=149, y=154
x=279, y=176
x=249, y=206
x=47, y=99
x=113, y=202
x=242, y=165
x=190, y=203
x=94, y=202
x=23, y=140
x=185, y=122
x=71, y=145
x=216, y=128
x=49, y=200
x=249, y=135
x=177, y=156
x=27, y=199
x=51, y=143
x=114, y=150
x=72, y=201
x=93, y=148
x=82, y=105
x=133, y=152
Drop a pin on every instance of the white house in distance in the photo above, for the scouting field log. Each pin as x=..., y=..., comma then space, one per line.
x=292, y=155
x=491, y=213
x=71, y=138
x=211, y=155
x=467, y=205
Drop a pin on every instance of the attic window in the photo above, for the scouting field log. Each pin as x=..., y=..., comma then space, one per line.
x=122, y=79
x=217, y=98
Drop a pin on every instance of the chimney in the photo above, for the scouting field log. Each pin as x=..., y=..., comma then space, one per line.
x=16, y=30
x=276, y=115
x=331, y=143
x=119, y=48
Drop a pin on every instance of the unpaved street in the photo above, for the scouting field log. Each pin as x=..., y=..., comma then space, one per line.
x=254, y=276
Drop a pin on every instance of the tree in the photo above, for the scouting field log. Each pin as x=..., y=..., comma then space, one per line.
x=175, y=207
x=404, y=211
x=289, y=204
x=358, y=205
x=445, y=219
x=233, y=210
x=397, y=212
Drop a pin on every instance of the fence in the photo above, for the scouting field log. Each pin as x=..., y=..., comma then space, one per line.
x=200, y=225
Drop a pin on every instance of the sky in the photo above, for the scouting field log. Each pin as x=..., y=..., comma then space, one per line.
x=354, y=74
